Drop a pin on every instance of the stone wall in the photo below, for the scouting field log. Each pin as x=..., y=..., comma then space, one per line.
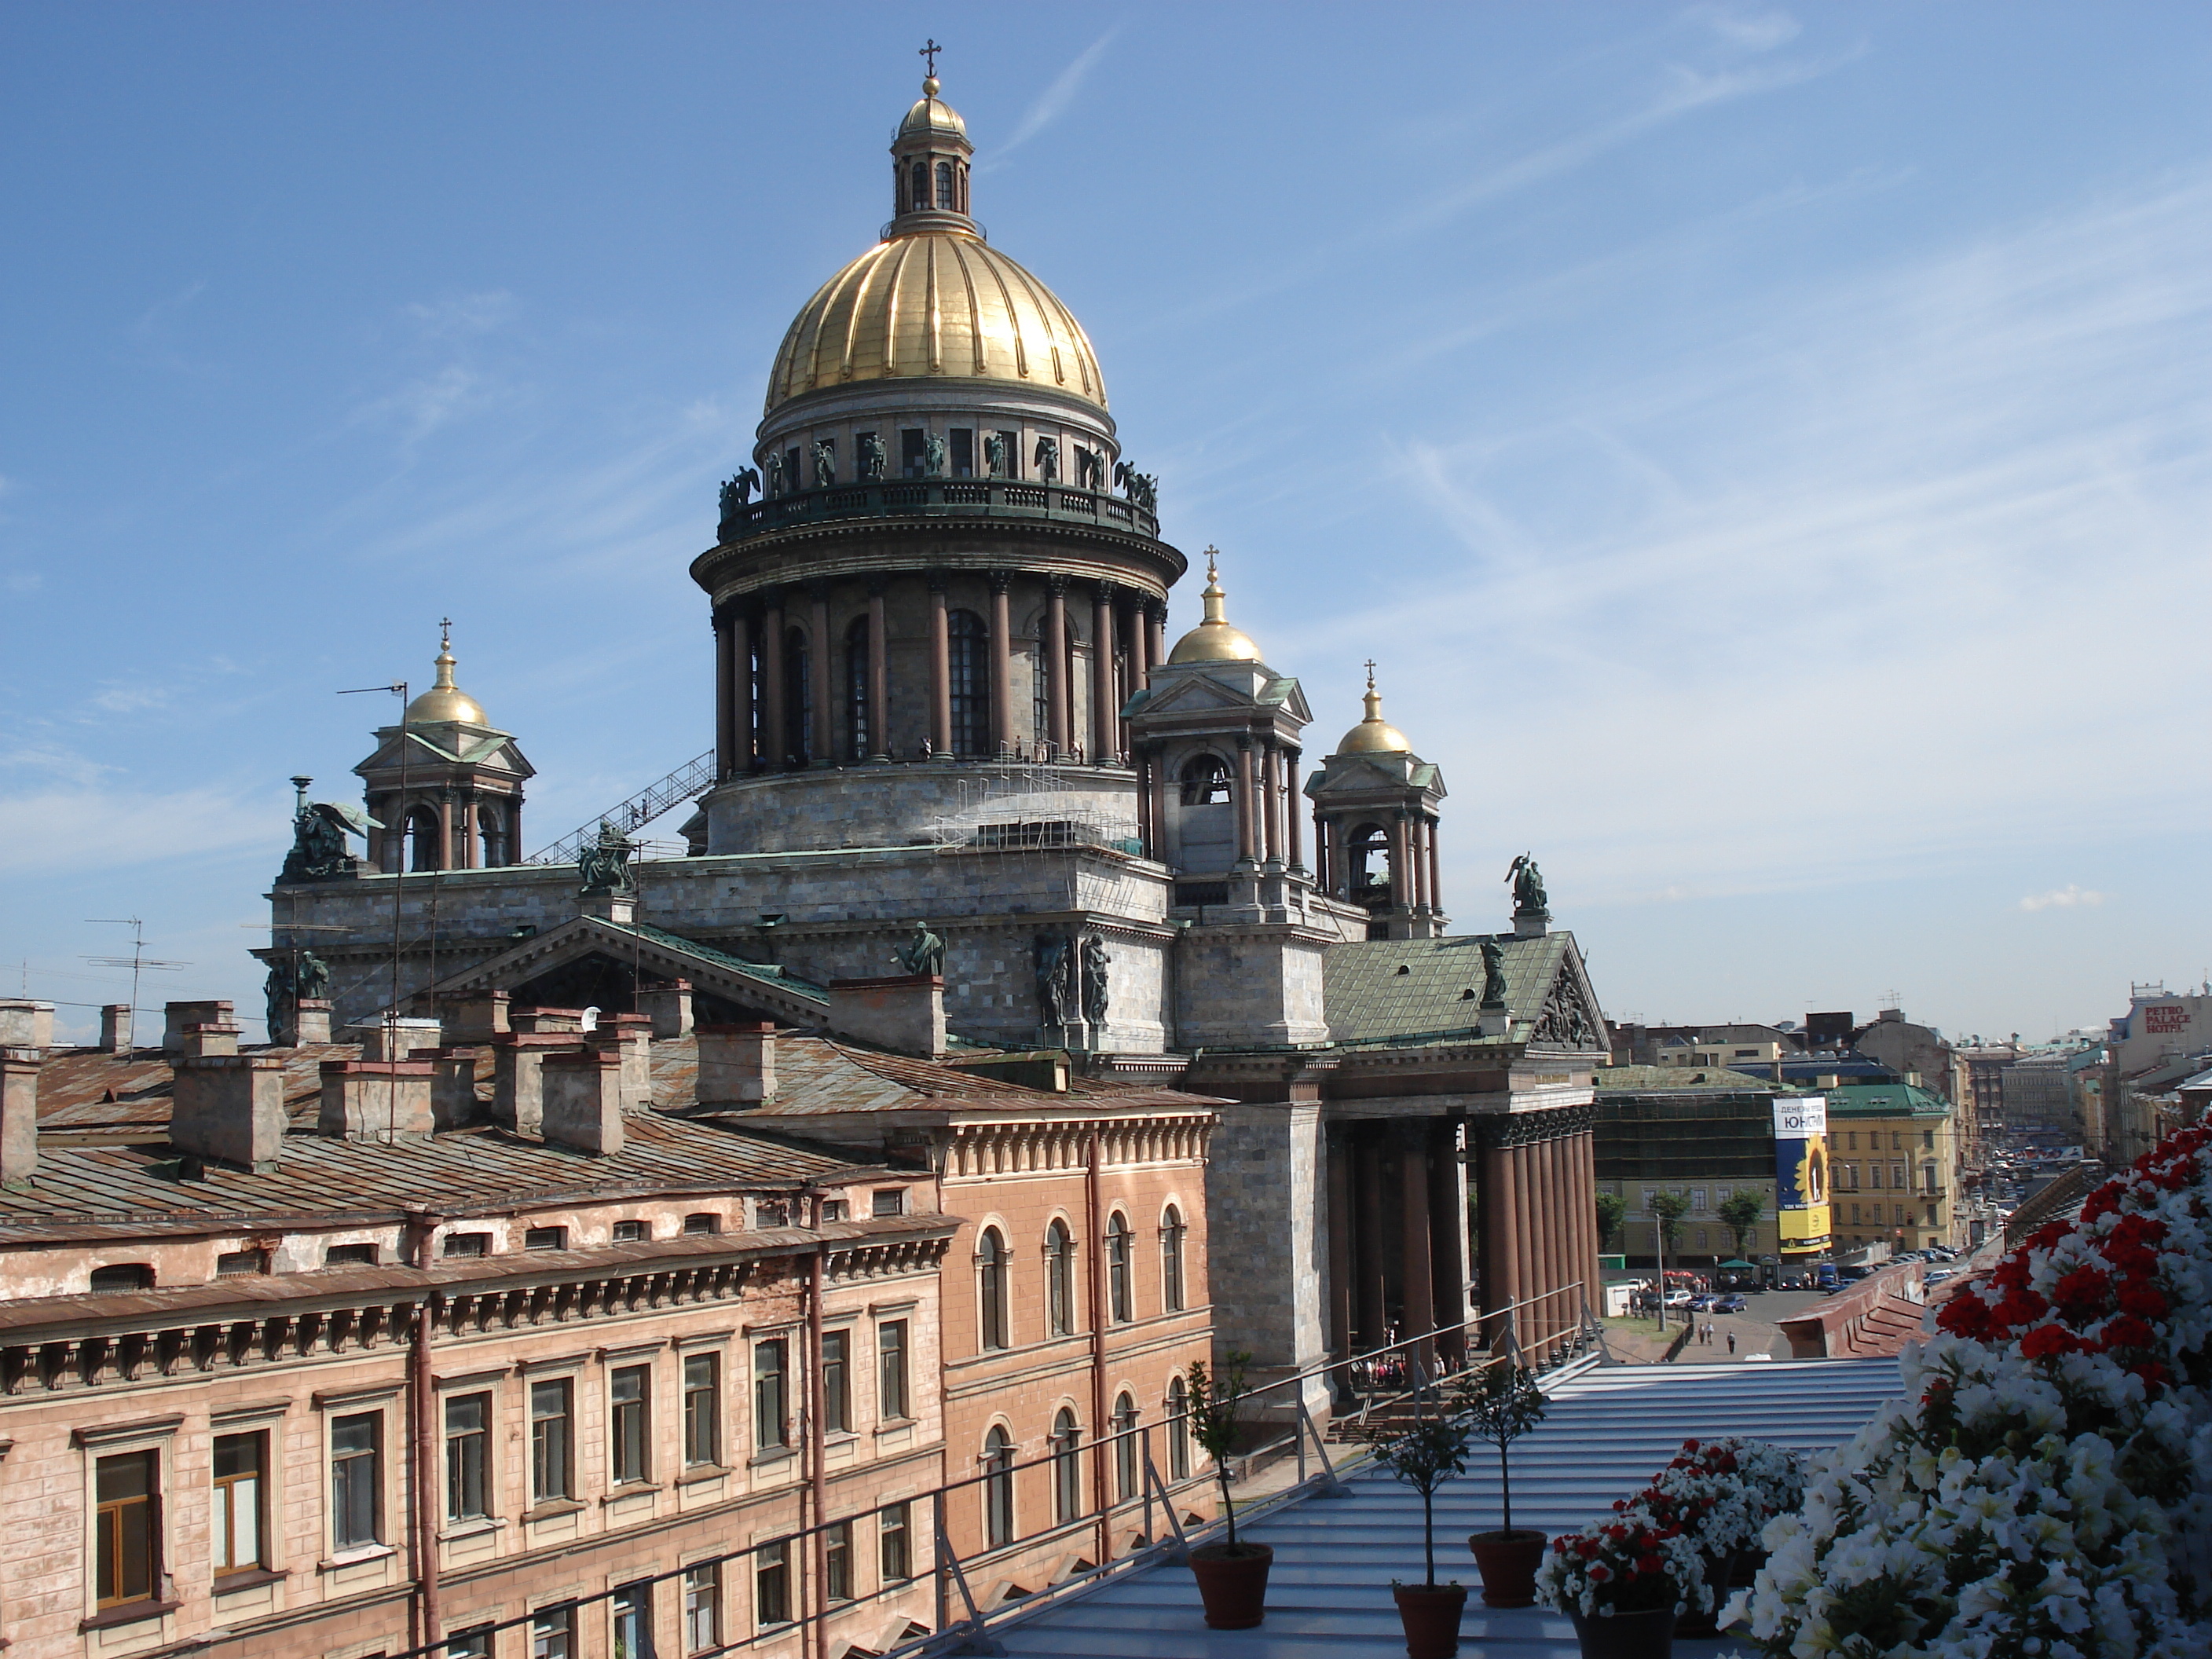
x=1264, y=1188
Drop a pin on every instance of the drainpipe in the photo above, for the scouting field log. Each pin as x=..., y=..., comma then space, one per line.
x=816, y=1481
x=1095, y=1206
x=421, y=1402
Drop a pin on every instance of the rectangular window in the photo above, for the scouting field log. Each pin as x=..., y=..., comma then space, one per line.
x=1897, y=1178
x=963, y=452
x=630, y=1429
x=837, y=1381
x=891, y=1370
x=703, y=1409
x=1928, y=1140
x=890, y=1201
x=1874, y=1175
x=1854, y=1212
x=1853, y=1140
x=231, y=1263
x=127, y=1527
x=468, y=1457
x=1897, y=1140
x=895, y=1544
x=545, y=1238
x=706, y=1221
x=703, y=1607
x=837, y=1561
x=356, y=1444
x=1701, y=1238
x=551, y=1426
x=474, y=1642
x=833, y=1209
x=771, y=1213
x=349, y=1256
x=914, y=452
x=631, y=1232
x=632, y=1622
x=771, y=1583
x=467, y=1244
x=236, y=1523
x=1698, y=1197
x=553, y=1633
x=771, y=1400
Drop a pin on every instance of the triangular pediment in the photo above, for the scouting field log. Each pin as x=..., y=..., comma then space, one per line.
x=1570, y=1018
x=1195, y=694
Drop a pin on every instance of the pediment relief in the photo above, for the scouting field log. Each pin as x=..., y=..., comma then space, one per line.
x=1195, y=695
x=1570, y=1018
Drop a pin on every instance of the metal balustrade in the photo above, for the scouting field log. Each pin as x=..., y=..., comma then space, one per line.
x=936, y=497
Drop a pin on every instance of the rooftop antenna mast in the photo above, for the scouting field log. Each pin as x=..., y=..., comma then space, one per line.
x=398, y=689
x=137, y=961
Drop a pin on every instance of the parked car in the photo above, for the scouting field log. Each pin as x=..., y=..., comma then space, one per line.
x=1852, y=1275
x=1679, y=1298
x=1730, y=1304
x=1702, y=1301
x=1939, y=1276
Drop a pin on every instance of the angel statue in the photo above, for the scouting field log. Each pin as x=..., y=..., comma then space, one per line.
x=1528, y=896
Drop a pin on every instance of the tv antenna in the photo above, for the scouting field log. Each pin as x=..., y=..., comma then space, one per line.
x=138, y=962
x=398, y=689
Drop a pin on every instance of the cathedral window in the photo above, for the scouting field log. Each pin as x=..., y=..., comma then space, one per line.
x=913, y=453
x=491, y=828
x=1205, y=780
x=1059, y=1278
x=1172, y=1238
x=1126, y=1449
x=423, y=851
x=798, y=698
x=919, y=199
x=856, y=686
x=1120, y=1303
x=1369, y=856
x=963, y=452
x=944, y=197
x=1066, y=1467
x=998, y=1488
x=969, y=675
x=1178, y=1415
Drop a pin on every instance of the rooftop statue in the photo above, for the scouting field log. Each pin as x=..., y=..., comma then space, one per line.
x=319, y=829
x=825, y=463
x=1089, y=469
x=1048, y=459
x=924, y=953
x=775, y=485
x=1095, y=960
x=604, y=865
x=1529, y=894
x=994, y=455
x=1141, y=488
x=1493, y=975
x=738, y=490
x=932, y=450
x=870, y=451
x=1055, y=975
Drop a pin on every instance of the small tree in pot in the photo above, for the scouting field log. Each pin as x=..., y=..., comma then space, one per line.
x=1426, y=1454
x=1232, y=1577
x=1503, y=1403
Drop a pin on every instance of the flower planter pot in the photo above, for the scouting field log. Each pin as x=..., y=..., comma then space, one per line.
x=1431, y=1614
x=1720, y=1570
x=1232, y=1582
x=1508, y=1561
x=1747, y=1564
x=1646, y=1635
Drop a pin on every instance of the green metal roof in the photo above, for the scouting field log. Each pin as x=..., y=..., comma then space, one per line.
x=1885, y=1100
x=1390, y=990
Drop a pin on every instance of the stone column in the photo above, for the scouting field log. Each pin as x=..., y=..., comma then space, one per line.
x=1156, y=615
x=1339, y=1143
x=1494, y=1202
x=445, y=830
x=1294, y=813
x=726, y=698
x=1401, y=865
x=1419, y=829
x=1528, y=1251
x=879, y=676
x=1436, y=881
x=471, y=837
x=1140, y=759
x=940, y=668
x=1105, y=708
x=1002, y=664
x=820, y=659
x=1270, y=802
x=1416, y=1271
x=1447, y=1235
x=742, y=637
x=514, y=829
x=1548, y=1236
x=1247, y=827
x=1367, y=1252
x=1586, y=1196
x=1160, y=793
x=1054, y=653
x=773, y=723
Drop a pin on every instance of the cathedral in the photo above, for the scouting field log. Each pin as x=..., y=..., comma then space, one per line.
x=966, y=799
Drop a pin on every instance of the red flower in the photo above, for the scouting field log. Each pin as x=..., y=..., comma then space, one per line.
x=1599, y=1572
x=2047, y=1341
x=1650, y=1562
x=2127, y=1331
x=2144, y=1301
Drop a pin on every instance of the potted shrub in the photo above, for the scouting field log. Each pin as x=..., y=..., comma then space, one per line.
x=1232, y=1577
x=1702, y=1493
x=1425, y=1456
x=1503, y=1404
x=1620, y=1580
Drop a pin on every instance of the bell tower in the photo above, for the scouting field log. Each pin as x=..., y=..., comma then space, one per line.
x=1374, y=813
x=446, y=784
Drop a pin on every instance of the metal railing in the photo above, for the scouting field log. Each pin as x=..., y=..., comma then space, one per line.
x=964, y=1624
x=937, y=498
x=694, y=777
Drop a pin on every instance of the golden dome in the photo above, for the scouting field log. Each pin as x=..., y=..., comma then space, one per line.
x=1214, y=640
x=931, y=115
x=445, y=700
x=1374, y=736
x=935, y=302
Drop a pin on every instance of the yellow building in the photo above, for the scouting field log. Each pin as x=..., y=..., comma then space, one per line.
x=1892, y=1154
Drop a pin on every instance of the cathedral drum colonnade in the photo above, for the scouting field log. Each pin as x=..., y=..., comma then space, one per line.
x=945, y=708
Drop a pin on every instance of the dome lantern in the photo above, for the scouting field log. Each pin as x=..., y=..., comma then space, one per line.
x=929, y=163
x=1374, y=735
x=445, y=700
x=1214, y=640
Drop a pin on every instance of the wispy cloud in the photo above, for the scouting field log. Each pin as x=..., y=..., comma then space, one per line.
x=62, y=812
x=1053, y=101
x=2062, y=898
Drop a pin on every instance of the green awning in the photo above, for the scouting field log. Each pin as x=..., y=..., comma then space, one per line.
x=1746, y=1266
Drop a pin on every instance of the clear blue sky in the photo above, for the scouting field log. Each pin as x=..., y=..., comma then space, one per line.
x=1765, y=449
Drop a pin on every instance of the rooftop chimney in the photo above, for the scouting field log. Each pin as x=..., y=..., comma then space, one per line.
x=669, y=1008
x=473, y=1015
x=377, y=1099
x=25, y=1024
x=181, y=1014
x=311, y=1021
x=209, y=1037
x=545, y=1019
x=737, y=1064
x=229, y=1106
x=904, y=1012
x=115, y=1028
x=517, y=1088
x=583, y=1101
x=19, y=1115
x=386, y=1038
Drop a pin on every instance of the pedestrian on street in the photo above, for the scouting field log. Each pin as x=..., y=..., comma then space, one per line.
x=1731, y=1342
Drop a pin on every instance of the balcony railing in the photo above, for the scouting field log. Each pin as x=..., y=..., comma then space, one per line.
x=938, y=498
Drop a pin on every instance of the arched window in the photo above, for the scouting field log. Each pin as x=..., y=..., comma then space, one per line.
x=491, y=829
x=1205, y=780
x=944, y=187
x=970, y=675
x=1178, y=1430
x=1059, y=1278
x=423, y=851
x=991, y=1288
x=919, y=198
x=856, y=687
x=1127, y=1449
x=998, y=1488
x=1171, y=1231
x=798, y=698
x=1066, y=1467
x=1118, y=1240
x=1367, y=858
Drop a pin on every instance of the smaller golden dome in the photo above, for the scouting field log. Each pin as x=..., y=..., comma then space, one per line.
x=1214, y=640
x=445, y=700
x=932, y=114
x=1374, y=736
